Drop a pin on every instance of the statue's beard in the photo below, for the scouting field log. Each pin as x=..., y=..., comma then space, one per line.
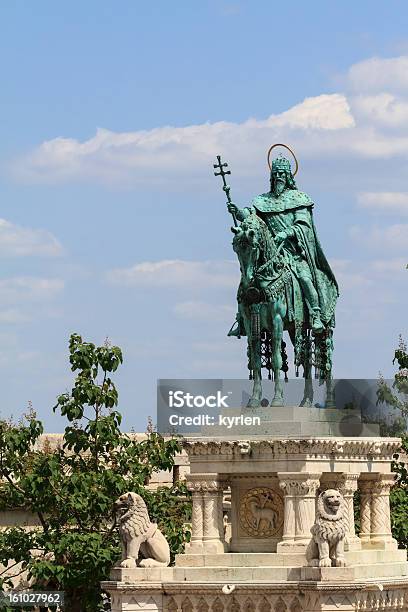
x=278, y=187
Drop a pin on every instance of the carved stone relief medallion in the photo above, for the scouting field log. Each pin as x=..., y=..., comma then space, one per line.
x=261, y=512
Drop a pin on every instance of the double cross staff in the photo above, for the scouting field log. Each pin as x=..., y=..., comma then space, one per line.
x=226, y=187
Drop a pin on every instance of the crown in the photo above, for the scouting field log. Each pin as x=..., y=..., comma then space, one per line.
x=280, y=163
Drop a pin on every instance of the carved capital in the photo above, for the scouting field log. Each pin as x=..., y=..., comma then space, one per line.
x=377, y=484
x=205, y=483
x=348, y=483
x=296, y=484
x=384, y=484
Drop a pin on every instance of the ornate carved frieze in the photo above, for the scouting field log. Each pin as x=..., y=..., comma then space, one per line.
x=361, y=448
x=262, y=599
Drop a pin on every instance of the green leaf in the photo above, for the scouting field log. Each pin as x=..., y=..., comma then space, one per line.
x=72, y=489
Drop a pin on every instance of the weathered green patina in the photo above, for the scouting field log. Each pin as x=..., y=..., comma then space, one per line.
x=286, y=283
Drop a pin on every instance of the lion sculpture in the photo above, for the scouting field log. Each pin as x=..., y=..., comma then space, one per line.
x=327, y=545
x=138, y=535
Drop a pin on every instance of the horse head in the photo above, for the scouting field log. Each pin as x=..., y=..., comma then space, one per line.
x=247, y=244
x=252, y=246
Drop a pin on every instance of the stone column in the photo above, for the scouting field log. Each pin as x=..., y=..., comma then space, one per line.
x=194, y=485
x=375, y=511
x=289, y=508
x=365, y=488
x=299, y=510
x=347, y=487
x=207, y=529
x=380, y=512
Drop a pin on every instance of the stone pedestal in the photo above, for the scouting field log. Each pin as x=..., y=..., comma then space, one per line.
x=274, y=484
x=292, y=421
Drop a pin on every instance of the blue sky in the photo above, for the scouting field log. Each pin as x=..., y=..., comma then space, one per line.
x=112, y=224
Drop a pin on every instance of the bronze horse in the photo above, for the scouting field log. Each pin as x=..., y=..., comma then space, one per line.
x=265, y=296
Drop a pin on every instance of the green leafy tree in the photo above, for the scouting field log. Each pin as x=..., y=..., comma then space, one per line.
x=71, y=489
x=396, y=396
x=399, y=497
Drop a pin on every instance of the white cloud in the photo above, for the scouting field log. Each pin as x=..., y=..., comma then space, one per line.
x=391, y=237
x=177, y=273
x=369, y=291
x=349, y=276
x=20, y=290
x=384, y=201
x=334, y=126
x=22, y=241
x=365, y=123
x=12, y=352
x=145, y=155
x=325, y=112
x=379, y=74
x=205, y=311
x=371, y=143
x=382, y=108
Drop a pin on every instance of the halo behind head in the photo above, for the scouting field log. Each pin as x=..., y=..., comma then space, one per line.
x=290, y=151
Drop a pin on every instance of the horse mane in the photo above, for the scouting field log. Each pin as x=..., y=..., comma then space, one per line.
x=267, y=245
